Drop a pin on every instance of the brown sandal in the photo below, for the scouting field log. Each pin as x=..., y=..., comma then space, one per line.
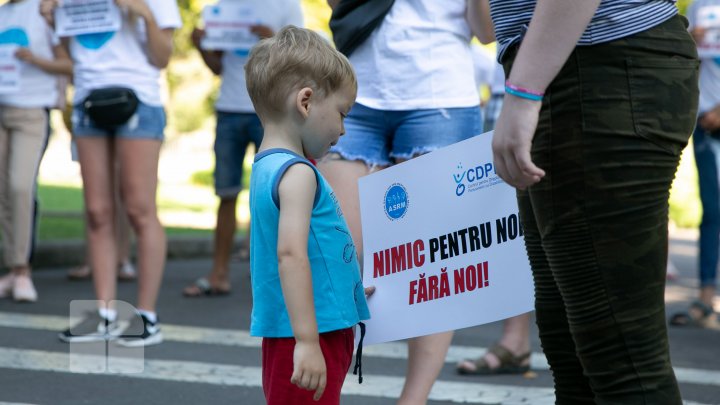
x=202, y=288
x=708, y=319
x=509, y=363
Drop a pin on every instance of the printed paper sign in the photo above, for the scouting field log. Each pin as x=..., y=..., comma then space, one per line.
x=708, y=17
x=442, y=244
x=227, y=27
x=9, y=69
x=77, y=17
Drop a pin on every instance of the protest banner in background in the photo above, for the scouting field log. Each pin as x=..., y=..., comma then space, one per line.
x=9, y=69
x=442, y=244
x=227, y=27
x=708, y=17
x=78, y=17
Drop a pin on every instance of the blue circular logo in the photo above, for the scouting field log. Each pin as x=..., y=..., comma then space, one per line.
x=396, y=201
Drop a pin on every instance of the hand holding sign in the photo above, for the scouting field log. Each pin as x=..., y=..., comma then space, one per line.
x=77, y=17
x=707, y=31
x=443, y=244
x=230, y=26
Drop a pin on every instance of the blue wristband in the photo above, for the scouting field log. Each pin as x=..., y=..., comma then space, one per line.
x=522, y=94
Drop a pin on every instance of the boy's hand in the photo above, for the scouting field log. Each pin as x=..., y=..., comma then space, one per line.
x=369, y=291
x=309, y=371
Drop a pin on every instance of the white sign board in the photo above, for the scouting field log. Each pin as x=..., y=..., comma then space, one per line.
x=708, y=17
x=442, y=244
x=227, y=27
x=77, y=17
x=9, y=69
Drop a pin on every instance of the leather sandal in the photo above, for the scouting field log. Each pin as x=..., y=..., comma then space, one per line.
x=509, y=363
x=707, y=320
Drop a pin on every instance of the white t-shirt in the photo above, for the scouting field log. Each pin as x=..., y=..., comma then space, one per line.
x=709, y=67
x=120, y=58
x=484, y=63
x=419, y=57
x=22, y=25
x=272, y=13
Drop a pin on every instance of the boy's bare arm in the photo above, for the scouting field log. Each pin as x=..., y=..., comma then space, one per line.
x=296, y=194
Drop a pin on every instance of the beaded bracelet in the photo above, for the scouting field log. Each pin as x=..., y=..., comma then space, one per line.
x=522, y=92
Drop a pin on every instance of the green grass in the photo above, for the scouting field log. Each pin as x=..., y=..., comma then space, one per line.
x=61, y=213
x=60, y=198
x=61, y=228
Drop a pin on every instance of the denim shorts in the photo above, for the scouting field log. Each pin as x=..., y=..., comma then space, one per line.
x=233, y=133
x=148, y=122
x=379, y=137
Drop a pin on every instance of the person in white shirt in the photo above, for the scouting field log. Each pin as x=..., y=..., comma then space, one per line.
x=237, y=127
x=122, y=69
x=30, y=45
x=413, y=97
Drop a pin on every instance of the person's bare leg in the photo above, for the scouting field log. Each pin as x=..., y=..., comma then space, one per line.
x=96, y=156
x=343, y=176
x=426, y=357
x=138, y=172
x=707, y=295
x=122, y=225
x=225, y=228
x=515, y=338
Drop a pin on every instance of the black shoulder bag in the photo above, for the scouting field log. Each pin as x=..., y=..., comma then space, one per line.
x=353, y=21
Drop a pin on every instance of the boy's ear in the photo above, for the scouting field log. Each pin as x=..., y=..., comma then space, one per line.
x=302, y=101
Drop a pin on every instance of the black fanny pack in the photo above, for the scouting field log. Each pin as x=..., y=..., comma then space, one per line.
x=110, y=107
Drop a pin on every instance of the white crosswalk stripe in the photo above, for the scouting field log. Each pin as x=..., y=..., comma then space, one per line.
x=379, y=386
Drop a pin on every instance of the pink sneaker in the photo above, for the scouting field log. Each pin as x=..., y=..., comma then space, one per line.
x=6, y=285
x=24, y=289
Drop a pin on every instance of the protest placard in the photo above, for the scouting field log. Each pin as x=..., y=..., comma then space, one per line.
x=442, y=244
x=708, y=18
x=78, y=17
x=9, y=69
x=227, y=27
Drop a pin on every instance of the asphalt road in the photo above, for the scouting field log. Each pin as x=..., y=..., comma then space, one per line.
x=208, y=356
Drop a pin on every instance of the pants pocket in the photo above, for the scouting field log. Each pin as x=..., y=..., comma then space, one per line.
x=664, y=99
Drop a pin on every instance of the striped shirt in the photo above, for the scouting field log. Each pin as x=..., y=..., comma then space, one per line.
x=613, y=19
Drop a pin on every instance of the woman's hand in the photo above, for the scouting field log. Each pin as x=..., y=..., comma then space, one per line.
x=136, y=7
x=512, y=141
x=262, y=31
x=47, y=11
x=25, y=55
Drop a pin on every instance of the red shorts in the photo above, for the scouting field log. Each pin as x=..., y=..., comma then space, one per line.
x=277, y=368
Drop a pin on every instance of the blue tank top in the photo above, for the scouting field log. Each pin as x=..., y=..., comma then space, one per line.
x=338, y=291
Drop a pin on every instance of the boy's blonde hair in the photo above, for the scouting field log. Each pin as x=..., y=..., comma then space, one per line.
x=292, y=59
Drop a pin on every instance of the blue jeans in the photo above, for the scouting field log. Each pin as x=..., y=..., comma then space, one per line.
x=378, y=137
x=233, y=133
x=707, y=153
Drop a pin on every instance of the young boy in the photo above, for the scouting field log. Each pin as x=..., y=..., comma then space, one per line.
x=307, y=292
